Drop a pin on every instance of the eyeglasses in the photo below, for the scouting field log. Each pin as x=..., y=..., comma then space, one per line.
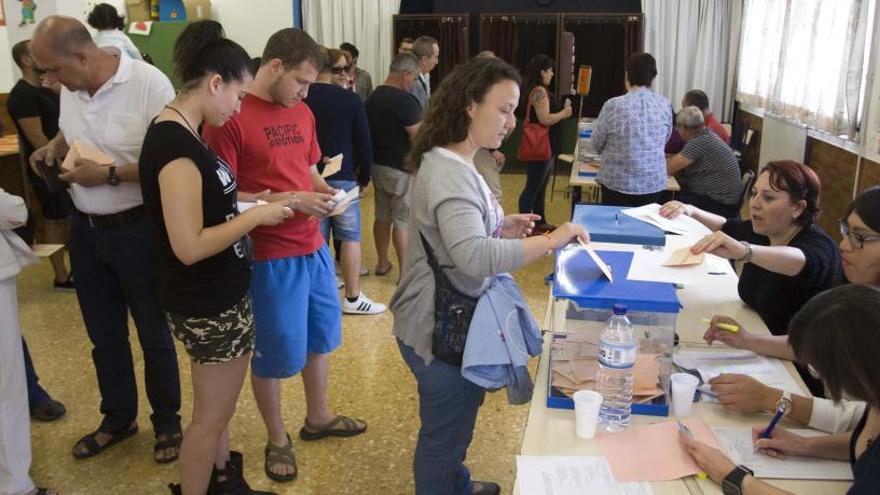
x=857, y=240
x=340, y=70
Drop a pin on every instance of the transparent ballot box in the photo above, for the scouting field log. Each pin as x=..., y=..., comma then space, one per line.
x=583, y=299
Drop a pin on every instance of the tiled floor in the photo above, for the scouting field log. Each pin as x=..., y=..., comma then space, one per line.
x=368, y=380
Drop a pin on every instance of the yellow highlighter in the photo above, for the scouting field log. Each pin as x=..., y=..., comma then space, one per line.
x=724, y=326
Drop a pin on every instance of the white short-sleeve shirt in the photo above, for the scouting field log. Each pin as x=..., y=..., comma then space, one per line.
x=114, y=120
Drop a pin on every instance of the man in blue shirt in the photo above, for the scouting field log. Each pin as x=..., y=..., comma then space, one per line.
x=341, y=125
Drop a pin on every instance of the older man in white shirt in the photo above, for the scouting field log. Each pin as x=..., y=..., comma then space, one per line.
x=108, y=101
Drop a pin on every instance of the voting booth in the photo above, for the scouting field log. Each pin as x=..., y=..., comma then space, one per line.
x=652, y=308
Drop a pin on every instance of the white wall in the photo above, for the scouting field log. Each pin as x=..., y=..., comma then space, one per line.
x=249, y=26
x=8, y=71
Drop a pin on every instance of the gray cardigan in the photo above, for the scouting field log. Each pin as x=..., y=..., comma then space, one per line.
x=451, y=211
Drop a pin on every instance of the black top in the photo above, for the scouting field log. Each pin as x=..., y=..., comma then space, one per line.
x=554, y=131
x=389, y=110
x=341, y=125
x=26, y=100
x=778, y=297
x=212, y=285
x=866, y=469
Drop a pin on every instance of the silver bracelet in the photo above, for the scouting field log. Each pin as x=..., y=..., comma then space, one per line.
x=748, y=256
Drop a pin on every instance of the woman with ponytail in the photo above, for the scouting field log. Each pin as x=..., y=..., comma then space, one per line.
x=191, y=197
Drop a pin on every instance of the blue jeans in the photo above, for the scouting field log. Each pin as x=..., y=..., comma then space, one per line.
x=531, y=200
x=448, y=406
x=117, y=271
x=347, y=226
x=36, y=393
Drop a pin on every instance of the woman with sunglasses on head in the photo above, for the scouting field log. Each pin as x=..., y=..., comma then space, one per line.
x=787, y=258
x=835, y=334
x=860, y=248
x=190, y=194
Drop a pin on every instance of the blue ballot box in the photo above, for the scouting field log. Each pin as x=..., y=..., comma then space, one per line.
x=652, y=309
x=609, y=224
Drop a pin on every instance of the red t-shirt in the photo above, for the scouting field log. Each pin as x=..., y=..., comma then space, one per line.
x=712, y=123
x=269, y=146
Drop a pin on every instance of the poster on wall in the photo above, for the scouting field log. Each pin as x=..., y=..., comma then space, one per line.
x=22, y=16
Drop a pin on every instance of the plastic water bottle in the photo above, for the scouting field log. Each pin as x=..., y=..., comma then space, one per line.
x=617, y=357
x=584, y=145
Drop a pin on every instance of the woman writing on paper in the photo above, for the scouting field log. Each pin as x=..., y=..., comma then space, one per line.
x=836, y=335
x=787, y=258
x=860, y=248
x=460, y=232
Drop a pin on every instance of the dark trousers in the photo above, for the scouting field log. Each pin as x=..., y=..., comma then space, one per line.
x=614, y=198
x=36, y=393
x=448, y=405
x=706, y=203
x=116, y=271
x=531, y=200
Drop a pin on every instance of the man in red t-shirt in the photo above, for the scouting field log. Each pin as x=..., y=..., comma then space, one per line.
x=272, y=147
x=699, y=99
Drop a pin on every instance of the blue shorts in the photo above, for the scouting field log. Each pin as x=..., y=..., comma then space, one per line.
x=296, y=311
x=346, y=227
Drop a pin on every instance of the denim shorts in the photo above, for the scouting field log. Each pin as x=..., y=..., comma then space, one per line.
x=347, y=226
x=296, y=310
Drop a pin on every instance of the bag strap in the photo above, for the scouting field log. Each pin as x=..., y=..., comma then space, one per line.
x=529, y=104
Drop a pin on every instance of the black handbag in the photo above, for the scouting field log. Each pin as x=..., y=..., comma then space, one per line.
x=453, y=312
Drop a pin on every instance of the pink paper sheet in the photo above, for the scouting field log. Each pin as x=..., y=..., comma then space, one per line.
x=653, y=453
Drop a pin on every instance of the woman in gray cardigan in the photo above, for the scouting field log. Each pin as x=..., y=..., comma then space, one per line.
x=473, y=241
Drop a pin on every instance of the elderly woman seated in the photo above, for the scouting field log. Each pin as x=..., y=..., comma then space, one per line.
x=706, y=167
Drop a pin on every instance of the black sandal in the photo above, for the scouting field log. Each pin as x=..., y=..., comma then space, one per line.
x=92, y=446
x=275, y=455
x=172, y=441
x=340, y=426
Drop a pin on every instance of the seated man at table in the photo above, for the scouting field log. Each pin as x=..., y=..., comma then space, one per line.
x=706, y=167
x=699, y=99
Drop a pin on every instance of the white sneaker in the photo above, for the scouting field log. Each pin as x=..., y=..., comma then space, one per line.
x=362, y=306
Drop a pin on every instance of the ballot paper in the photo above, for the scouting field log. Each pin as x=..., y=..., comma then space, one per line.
x=606, y=270
x=684, y=257
x=80, y=149
x=46, y=250
x=681, y=224
x=737, y=442
x=332, y=166
x=709, y=363
x=571, y=475
x=651, y=266
x=342, y=200
x=244, y=206
x=653, y=452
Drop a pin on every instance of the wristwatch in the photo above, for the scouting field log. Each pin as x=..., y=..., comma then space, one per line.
x=112, y=178
x=732, y=483
x=784, y=403
x=748, y=256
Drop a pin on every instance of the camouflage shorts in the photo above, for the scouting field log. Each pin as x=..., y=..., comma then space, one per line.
x=216, y=339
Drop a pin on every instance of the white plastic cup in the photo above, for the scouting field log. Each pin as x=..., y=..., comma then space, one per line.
x=586, y=412
x=684, y=386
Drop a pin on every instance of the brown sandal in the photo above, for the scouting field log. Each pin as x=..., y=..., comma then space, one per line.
x=340, y=426
x=280, y=455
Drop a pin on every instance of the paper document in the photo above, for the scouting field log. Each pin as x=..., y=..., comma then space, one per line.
x=682, y=224
x=574, y=475
x=46, y=250
x=737, y=442
x=244, y=206
x=86, y=151
x=333, y=166
x=343, y=200
x=654, y=452
x=709, y=363
x=651, y=266
x=684, y=257
x=606, y=270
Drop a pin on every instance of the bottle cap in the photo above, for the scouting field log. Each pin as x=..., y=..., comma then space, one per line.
x=619, y=309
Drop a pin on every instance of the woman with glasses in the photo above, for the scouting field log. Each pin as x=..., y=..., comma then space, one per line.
x=860, y=248
x=340, y=65
x=836, y=335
